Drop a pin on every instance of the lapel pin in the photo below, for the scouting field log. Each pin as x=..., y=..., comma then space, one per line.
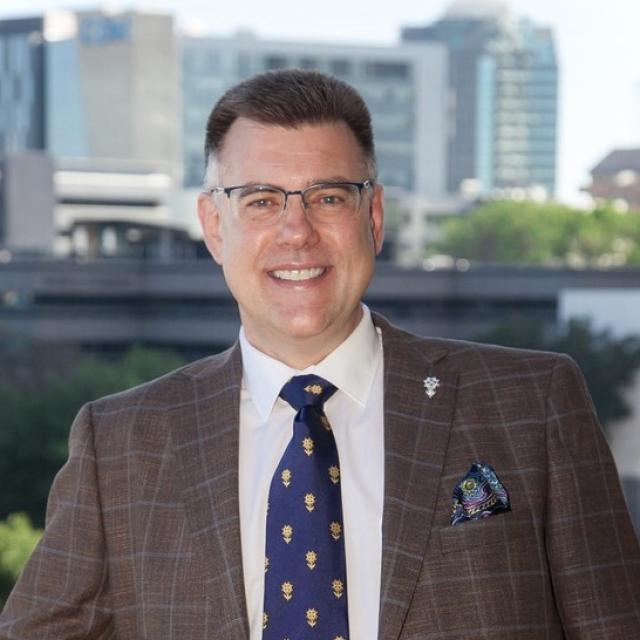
x=431, y=384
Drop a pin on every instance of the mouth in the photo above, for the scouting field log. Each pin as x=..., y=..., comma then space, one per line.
x=298, y=275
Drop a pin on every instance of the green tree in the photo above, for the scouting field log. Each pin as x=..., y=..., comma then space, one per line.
x=542, y=233
x=17, y=540
x=35, y=418
x=608, y=364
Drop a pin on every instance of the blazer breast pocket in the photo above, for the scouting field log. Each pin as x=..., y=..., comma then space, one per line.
x=498, y=530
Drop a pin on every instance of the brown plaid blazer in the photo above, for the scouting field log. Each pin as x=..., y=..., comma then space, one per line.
x=143, y=537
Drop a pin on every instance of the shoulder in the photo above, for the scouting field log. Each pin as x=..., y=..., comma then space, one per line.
x=175, y=388
x=472, y=360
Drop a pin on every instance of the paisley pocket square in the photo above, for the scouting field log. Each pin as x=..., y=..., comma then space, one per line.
x=478, y=495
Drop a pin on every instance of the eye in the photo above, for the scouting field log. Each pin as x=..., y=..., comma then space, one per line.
x=331, y=197
x=260, y=199
x=259, y=203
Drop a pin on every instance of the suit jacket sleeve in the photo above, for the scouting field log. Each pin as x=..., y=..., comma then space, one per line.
x=63, y=590
x=591, y=545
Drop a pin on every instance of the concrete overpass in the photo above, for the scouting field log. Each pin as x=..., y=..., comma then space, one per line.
x=185, y=305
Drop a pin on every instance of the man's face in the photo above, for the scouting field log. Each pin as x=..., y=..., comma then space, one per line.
x=298, y=283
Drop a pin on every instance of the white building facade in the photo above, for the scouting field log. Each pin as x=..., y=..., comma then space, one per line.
x=405, y=88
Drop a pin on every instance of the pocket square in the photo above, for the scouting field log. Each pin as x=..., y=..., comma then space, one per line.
x=478, y=495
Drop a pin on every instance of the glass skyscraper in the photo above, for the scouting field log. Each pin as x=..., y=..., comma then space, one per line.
x=22, y=103
x=503, y=78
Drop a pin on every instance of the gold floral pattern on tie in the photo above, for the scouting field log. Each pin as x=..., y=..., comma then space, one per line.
x=336, y=530
x=316, y=389
x=325, y=422
x=287, y=533
x=265, y=620
x=334, y=474
x=312, y=617
x=311, y=557
x=307, y=445
x=310, y=502
x=338, y=588
x=286, y=477
x=287, y=590
x=266, y=564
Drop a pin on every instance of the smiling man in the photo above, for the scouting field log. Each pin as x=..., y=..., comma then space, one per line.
x=329, y=476
x=297, y=263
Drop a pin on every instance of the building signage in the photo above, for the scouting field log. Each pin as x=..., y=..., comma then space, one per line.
x=102, y=30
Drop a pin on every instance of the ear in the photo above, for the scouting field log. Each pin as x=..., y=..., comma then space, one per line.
x=376, y=217
x=211, y=224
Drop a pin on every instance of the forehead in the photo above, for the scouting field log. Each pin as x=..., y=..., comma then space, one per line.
x=254, y=151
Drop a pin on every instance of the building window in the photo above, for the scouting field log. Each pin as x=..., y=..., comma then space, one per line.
x=308, y=63
x=387, y=69
x=243, y=65
x=340, y=67
x=275, y=62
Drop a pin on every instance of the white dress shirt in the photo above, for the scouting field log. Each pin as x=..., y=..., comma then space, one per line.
x=355, y=412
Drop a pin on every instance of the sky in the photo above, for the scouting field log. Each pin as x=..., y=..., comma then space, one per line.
x=597, y=45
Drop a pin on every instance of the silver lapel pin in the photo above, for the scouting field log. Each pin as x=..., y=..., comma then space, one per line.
x=431, y=384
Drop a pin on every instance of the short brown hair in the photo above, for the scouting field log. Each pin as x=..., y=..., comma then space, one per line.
x=290, y=98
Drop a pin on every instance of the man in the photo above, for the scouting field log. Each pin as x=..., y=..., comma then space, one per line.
x=478, y=498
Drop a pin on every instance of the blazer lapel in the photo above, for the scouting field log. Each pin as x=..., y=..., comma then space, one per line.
x=206, y=445
x=416, y=430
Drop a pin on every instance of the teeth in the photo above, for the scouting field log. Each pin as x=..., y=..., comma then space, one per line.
x=298, y=274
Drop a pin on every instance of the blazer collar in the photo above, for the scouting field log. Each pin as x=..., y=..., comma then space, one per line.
x=416, y=430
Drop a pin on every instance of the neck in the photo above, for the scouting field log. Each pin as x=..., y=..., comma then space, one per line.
x=296, y=354
x=303, y=352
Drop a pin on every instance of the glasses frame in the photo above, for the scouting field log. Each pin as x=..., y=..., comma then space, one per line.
x=365, y=184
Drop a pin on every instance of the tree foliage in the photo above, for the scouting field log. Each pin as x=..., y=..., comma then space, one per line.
x=36, y=417
x=17, y=540
x=608, y=364
x=537, y=233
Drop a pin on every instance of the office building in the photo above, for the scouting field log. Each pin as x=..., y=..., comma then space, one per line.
x=405, y=88
x=22, y=99
x=111, y=80
x=503, y=78
x=92, y=85
x=98, y=92
x=26, y=203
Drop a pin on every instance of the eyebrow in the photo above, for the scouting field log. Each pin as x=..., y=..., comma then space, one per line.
x=309, y=183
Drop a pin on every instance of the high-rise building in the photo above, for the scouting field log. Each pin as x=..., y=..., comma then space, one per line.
x=503, y=78
x=92, y=85
x=98, y=92
x=132, y=111
x=111, y=88
x=22, y=99
x=405, y=88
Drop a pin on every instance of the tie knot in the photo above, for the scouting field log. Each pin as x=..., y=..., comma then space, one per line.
x=307, y=391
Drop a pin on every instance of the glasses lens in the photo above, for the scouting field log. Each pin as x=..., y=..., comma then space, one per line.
x=258, y=204
x=332, y=201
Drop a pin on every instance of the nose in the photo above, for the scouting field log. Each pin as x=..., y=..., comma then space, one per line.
x=295, y=229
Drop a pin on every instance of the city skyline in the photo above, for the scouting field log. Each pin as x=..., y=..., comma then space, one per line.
x=597, y=50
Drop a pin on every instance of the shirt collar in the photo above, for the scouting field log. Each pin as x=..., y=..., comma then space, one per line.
x=351, y=367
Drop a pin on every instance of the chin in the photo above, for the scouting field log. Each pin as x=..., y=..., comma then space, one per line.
x=314, y=325
x=300, y=328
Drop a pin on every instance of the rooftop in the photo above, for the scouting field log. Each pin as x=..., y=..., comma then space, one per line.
x=618, y=160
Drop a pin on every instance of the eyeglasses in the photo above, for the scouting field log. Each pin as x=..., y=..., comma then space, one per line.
x=263, y=204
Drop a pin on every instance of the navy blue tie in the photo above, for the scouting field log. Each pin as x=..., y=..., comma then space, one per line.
x=305, y=571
